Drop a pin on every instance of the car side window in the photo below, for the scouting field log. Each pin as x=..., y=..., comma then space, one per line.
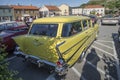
x=85, y=26
x=15, y=24
x=70, y=29
x=9, y=25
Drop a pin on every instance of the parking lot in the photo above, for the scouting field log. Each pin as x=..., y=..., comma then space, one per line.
x=100, y=63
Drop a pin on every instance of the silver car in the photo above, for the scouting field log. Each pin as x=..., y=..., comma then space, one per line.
x=109, y=19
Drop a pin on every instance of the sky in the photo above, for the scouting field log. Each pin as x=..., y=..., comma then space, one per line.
x=39, y=3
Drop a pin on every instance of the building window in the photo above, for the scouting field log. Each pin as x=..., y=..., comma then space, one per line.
x=9, y=10
x=15, y=11
x=24, y=11
x=3, y=10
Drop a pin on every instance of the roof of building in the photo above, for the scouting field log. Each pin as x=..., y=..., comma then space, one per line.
x=4, y=6
x=52, y=8
x=93, y=6
x=24, y=7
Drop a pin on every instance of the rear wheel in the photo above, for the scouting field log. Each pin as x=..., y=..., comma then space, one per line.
x=82, y=56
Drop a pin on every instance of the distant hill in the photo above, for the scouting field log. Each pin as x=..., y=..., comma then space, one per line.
x=111, y=5
x=97, y=2
x=94, y=2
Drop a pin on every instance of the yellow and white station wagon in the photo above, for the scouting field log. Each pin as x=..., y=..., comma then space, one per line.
x=57, y=41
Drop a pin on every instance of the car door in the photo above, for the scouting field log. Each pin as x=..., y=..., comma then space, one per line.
x=73, y=44
x=89, y=30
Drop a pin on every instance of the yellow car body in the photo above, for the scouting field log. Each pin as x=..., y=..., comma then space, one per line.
x=50, y=41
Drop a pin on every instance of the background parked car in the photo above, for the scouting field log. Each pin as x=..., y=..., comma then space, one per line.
x=6, y=37
x=11, y=25
x=93, y=18
x=109, y=19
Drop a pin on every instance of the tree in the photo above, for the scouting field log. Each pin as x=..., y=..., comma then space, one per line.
x=118, y=5
x=5, y=73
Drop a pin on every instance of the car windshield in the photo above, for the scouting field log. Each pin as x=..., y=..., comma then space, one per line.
x=44, y=29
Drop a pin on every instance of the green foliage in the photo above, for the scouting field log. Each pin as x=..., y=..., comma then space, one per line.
x=83, y=5
x=111, y=5
x=5, y=73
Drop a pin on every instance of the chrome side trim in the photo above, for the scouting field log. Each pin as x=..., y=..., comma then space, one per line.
x=57, y=48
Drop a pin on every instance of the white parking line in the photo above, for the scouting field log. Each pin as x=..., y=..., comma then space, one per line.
x=104, y=41
x=103, y=51
x=117, y=61
x=100, y=70
x=98, y=55
x=79, y=75
x=103, y=45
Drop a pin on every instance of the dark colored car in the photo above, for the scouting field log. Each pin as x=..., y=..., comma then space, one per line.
x=11, y=25
x=6, y=37
x=93, y=18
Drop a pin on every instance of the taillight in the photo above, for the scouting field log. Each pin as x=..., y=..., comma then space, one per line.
x=59, y=63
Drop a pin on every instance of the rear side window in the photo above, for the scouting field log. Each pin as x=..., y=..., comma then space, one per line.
x=70, y=29
x=44, y=29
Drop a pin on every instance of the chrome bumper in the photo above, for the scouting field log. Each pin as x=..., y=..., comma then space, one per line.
x=33, y=59
x=40, y=62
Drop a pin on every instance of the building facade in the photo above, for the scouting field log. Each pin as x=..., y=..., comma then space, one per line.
x=94, y=9
x=49, y=10
x=6, y=13
x=65, y=9
x=76, y=10
x=21, y=11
